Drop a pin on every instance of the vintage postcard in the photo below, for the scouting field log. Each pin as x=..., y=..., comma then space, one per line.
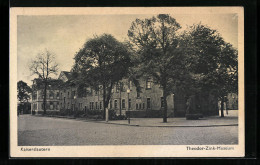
x=127, y=82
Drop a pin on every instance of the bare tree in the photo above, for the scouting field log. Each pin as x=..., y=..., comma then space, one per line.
x=44, y=66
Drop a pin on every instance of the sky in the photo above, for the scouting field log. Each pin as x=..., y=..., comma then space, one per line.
x=64, y=35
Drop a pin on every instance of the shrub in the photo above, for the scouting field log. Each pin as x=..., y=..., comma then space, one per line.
x=112, y=115
x=193, y=116
x=154, y=113
x=78, y=113
x=121, y=117
x=64, y=112
x=136, y=114
x=52, y=113
x=94, y=112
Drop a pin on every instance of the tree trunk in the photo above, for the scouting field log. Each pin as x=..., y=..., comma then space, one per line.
x=44, y=98
x=104, y=102
x=164, y=106
x=222, y=108
x=120, y=107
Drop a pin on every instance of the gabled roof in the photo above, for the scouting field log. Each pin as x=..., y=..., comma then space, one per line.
x=52, y=84
x=65, y=76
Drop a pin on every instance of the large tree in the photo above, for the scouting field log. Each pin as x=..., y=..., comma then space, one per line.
x=101, y=63
x=213, y=61
x=23, y=92
x=44, y=66
x=157, y=44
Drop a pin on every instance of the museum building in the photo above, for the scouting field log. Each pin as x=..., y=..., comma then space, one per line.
x=62, y=94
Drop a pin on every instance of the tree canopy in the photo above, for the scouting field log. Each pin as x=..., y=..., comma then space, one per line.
x=23, y=92
x=101, y=63
x=157, y=43
x=213, y=62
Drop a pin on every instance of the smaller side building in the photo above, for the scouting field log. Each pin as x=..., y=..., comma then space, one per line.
x=52, y=96
x=232, y=101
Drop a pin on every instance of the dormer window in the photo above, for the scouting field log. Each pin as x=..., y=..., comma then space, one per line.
x=148, y=83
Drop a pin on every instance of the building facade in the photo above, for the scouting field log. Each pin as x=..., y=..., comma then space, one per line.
x=52, y=97
x=63, y=94
x=124, y=97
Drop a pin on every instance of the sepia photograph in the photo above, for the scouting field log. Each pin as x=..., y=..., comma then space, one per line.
x=127, y=82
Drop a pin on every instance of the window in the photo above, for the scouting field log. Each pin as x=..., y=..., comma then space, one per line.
x=123, y=103
x=47, y=105
x=96, y=105
x=129, y=103
x=100, y=90
x=136, y=106
x=115, y=104
x=129, y=84
x=137, y=94
x=140, y=106
x=117, y=88
x=68, y=105
x=91, y=105
x=58, y=95
x=58, y=106
x=122, y=87
x=148, y=103
x=51, y=105
x=34, y=95
x=73, y=94
x=143, y=106
x=61, y=95
x=111, y=106
x=148, y=83
x=162, y=102
x=100, y=106
x=51, y=95
x=68, y=94
x=96, y=92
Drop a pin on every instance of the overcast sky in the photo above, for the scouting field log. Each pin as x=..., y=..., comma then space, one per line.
x=65, y=35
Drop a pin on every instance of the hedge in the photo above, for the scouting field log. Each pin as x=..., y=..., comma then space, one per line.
x=144, y=114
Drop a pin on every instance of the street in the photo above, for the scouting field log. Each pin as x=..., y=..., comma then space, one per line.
x=47, y=131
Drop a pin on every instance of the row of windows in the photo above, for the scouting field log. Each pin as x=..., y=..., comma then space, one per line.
x=119, y=87
x=98, y=105
x=51, y=105
x=48, y=96
x=138, y=106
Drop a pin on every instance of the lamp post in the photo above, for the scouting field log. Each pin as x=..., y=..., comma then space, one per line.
x=75, y=104
x=128, y=92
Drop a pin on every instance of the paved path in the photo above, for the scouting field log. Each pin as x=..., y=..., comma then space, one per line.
x=47, y=131
x=229, y=120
